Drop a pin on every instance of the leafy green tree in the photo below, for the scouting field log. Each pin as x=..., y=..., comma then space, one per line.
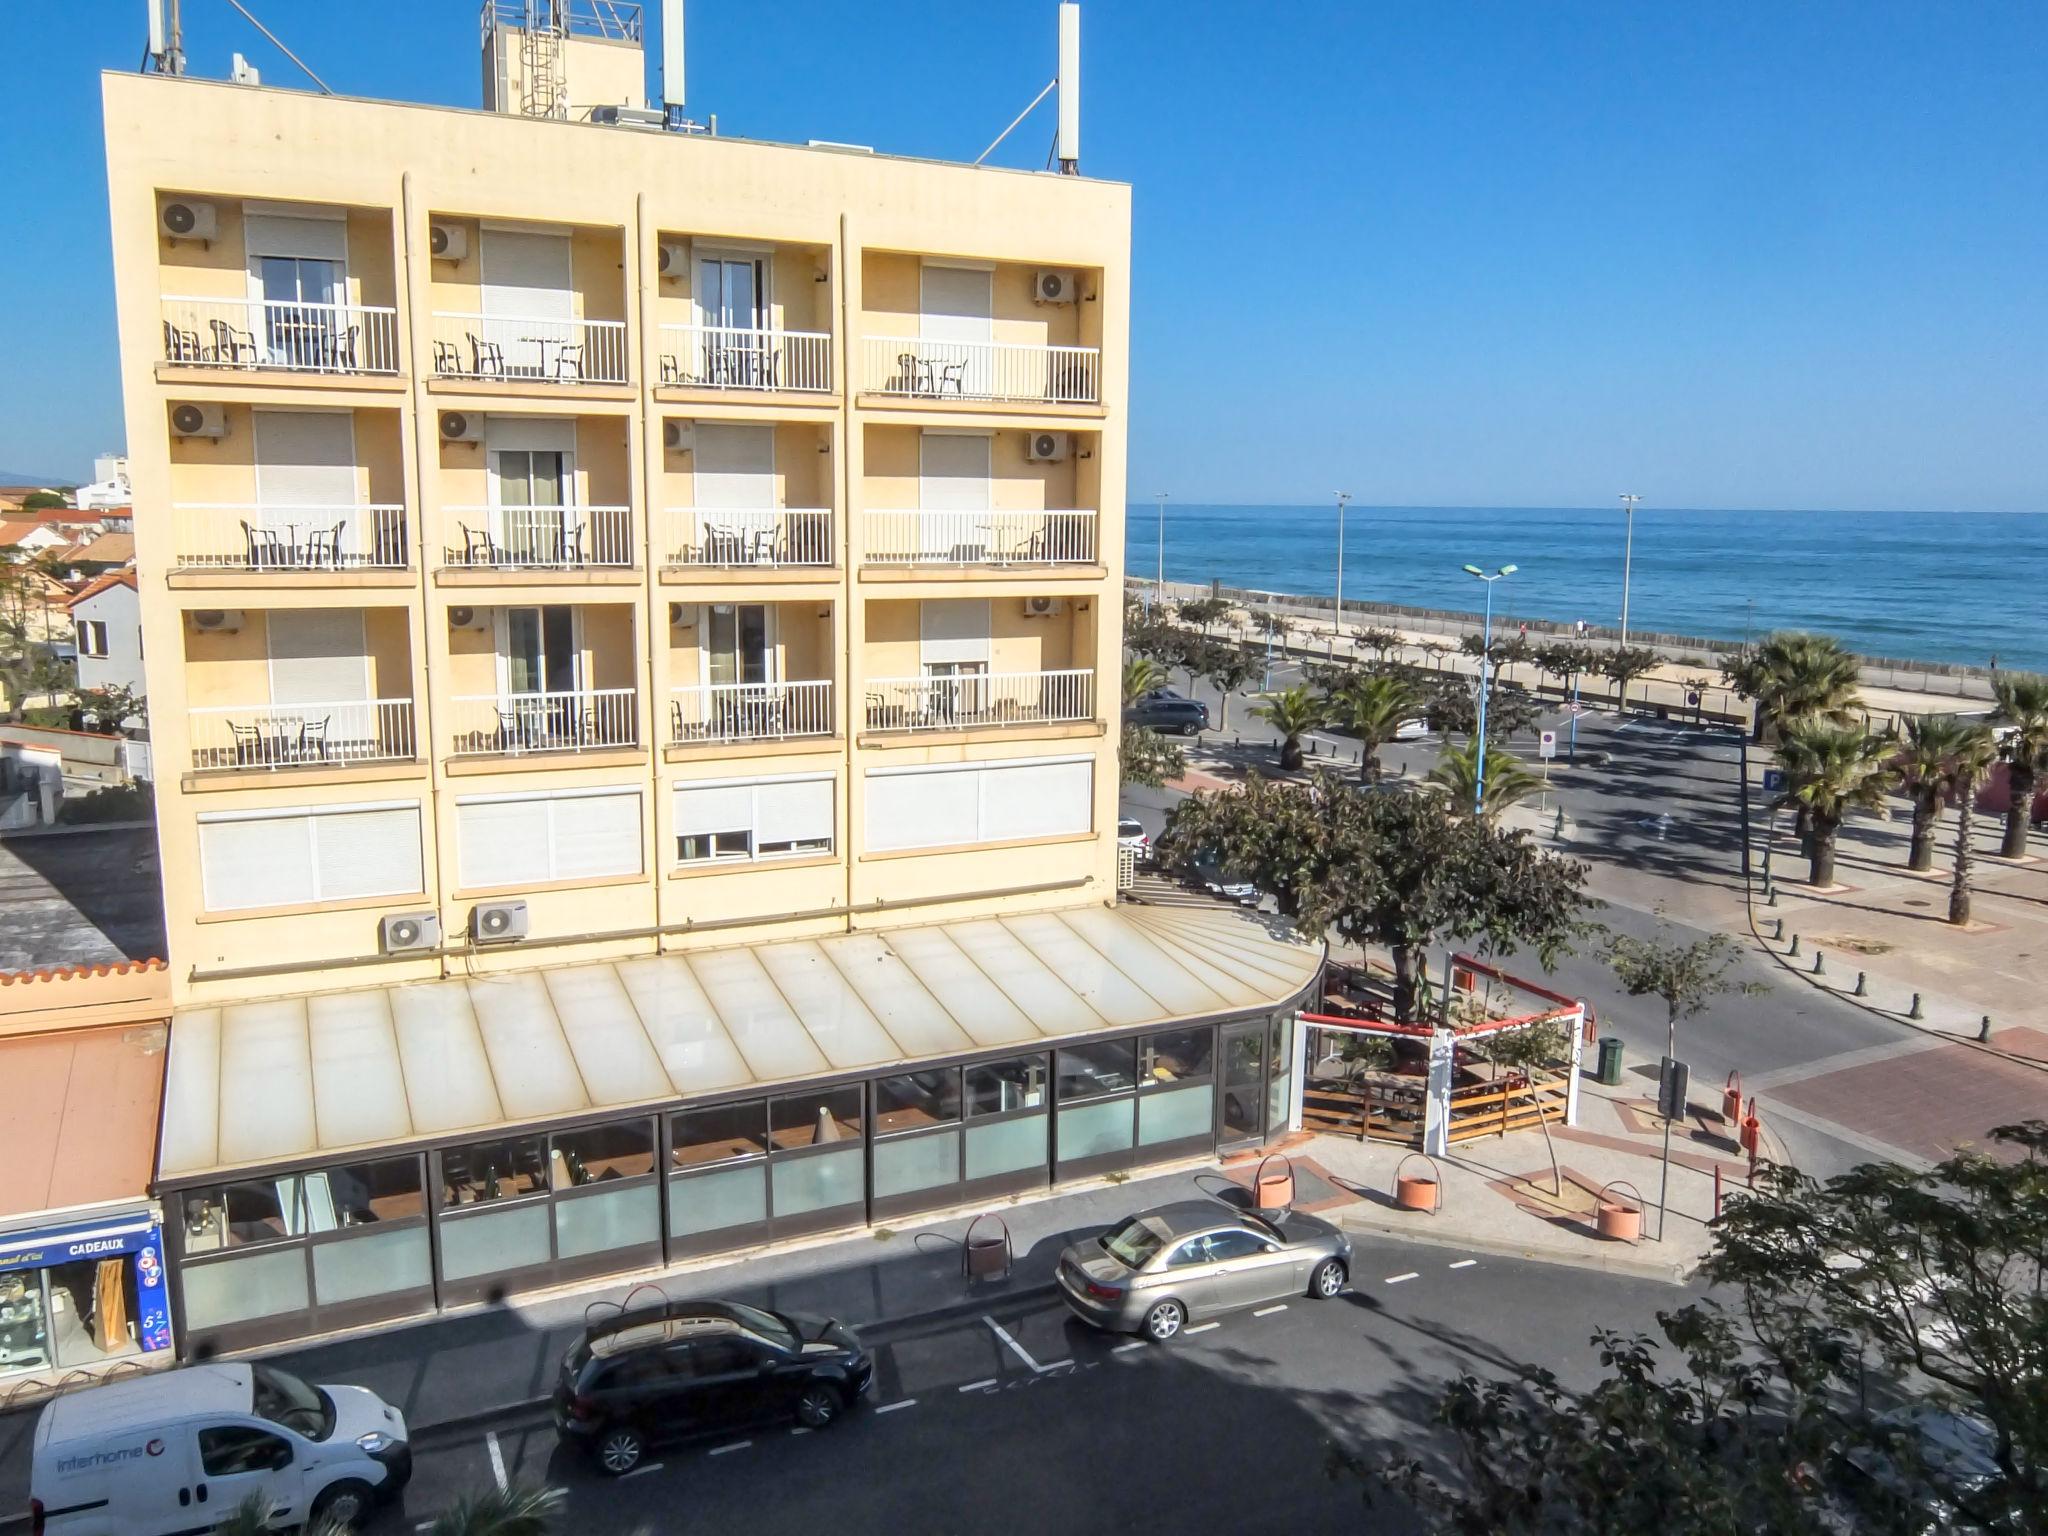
x=1881, y=1287
x=111, y=705
x=1147, y=758
x=44, y=501
x=1293, y=712
x=1831, y=770
x=1792, y=675
x=1453, y=707
x=1474, y=645
x=1566, y=660
x=1229, y=667
x=1927, y=772
x=513, y=1511
x=1517, y=650
x=1508, y=782
x=1973, y=758
x=1278, y=625
x=1623, y=665
x=1203, y=612
x=1685, y=977
x=1381, y=642
x=1373, y=707
x=2023, y=709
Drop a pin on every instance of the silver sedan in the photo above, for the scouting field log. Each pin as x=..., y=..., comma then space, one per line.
x=1155, y=1271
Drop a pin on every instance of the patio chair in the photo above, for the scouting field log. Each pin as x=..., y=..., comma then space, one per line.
x=569, y=361
x=231, y=345
x=263, y=549
x=341, y=349
x=907, y=372
x=478, y=547
x=312, y=744
x=487, y=358
x=181, y=345
x=951, y=376
x=447, y=358
x=248, y=739
x=670, y=371
x=761, y=546
x=323, y=547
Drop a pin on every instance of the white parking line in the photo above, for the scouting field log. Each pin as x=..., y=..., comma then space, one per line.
x=644, y=1468
x=737, y=1445
x=1464, y=1263
x=799, y=1430
x=976, y=1386
x=1201, y=1328
x=1397, y=1279
x=1269, y=1311
x=1124, y=1349
x=497, y=1458
x=908, y=1402
x=1018, y=1350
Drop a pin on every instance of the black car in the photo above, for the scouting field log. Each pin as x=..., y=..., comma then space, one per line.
x=688, y=1368
x=1164, y=710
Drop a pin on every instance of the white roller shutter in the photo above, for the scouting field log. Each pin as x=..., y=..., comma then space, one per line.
x=734, y=465
x=368, y=853
x=953, y=629
x=703, y=809
x=257, y=862
x=928, y=809
x=793, y=811
x=954, y=472
x=527, y=276
x=317, y=656
x=304, y=459
x=596, y=835
x=957, y=304
x=1037, y=800
x=277, y=234
x=501, y=842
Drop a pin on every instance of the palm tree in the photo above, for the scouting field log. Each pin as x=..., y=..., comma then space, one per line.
x=513, y=1511
x=1831, y=770
x=1927, y=768
x=2022, y=706
x=1373, y=707
x=251, y=1517
x=1973, y=758
x=1507, y=781
x=1796, y=676
x=1141, y=675
x=1293, y=712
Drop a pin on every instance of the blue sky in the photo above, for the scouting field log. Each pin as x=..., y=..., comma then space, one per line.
x=1457, y=253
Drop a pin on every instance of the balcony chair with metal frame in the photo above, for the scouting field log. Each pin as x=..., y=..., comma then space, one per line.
x=234, y=346
x=487, y=358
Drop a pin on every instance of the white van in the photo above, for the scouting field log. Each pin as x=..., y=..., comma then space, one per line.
x=176, y=1452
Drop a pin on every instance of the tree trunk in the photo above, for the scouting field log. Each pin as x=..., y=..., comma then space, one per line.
x=1959, y=888
x=1290, y=754
x=2019, y=783
x=1407, y=981
x=1368, y=762
x=1823, y=851
x=1925, y=808
x=1223, y=709
x=1802, y=827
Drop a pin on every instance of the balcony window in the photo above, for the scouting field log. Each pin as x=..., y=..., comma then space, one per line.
x=764, y=819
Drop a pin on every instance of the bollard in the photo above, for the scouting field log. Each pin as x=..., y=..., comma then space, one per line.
x=1770, y=895
x=1984, y=1029
x=1914, y=1011
x=1717, y=1191
x=1862, y=985
x=1793, y=952
x=1820, y=963
x=1777, y=927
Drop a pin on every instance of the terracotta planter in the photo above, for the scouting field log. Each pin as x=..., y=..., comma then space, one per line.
x=1416, y=1194
x=1622, y=1223
x=1274, y=1189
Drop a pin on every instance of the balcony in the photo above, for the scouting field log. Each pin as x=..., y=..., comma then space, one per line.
x=987, y=539
x=291, y=336
x=914, y=368
x=725, y=712
x=277, y=737
x=540, y=538
x=731, y=357
x=568, y=721
x=310, y=539
x=528, y=349
x=714, y=538
x=973, y=700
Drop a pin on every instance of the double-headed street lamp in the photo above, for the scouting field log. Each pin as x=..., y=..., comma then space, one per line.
x=1485, y=677
x=1159, y=591
x=1628, y=549
x=1342, y=498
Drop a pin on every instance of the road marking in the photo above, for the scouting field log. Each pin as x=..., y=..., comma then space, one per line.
x=908, y=1402
x=1122, y=1349
x=799, y=1430
x=737, y=1445
x=976, y=1386
x=1018, y=1350
x=1397, y=1279
x=1464, y=1263
x=1269, y=1311
x=497, y=1458
x=644, y=1468
x=1201, y=1328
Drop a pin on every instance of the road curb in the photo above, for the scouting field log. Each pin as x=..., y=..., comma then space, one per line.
x=1617, y=1264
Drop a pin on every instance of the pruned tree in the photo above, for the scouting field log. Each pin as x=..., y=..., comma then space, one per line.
x=1147, y=758
x=1623, y=665
x=1228, y=667
x=1685, y=977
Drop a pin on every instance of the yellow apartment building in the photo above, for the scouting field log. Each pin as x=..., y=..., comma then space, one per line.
x=632, y=627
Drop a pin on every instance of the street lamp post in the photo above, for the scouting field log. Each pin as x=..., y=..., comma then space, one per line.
x=1159, y=590
x=1337, y=627
x=1485, y=677
x=1628, y=549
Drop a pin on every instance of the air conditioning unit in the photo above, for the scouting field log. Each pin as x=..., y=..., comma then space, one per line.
x=185, y=218
x=217, y=621
x=1043, y=607
x=497, y=922
x=678, y=436
x=674, y=258
x=1047, y=447
x=448, y=242
x=409, y=930
x=469, y=618
x=1056, y=287
x=193, y=418
x=461, y=427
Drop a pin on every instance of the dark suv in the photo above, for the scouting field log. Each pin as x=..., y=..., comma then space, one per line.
x=1164, y=710
x=688, y=1368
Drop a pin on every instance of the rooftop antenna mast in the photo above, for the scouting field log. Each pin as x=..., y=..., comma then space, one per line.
x=1067, y=146
x=166, y=37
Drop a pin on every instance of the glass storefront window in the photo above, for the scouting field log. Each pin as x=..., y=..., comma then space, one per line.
x=1006, y=1146
x=601, y=1153
x=917, y=1101
x=1099, y=1067
x=813, y=1119
x=494, y=1170
x=240, y=1215
x=719, y=1134
x=1176, y=1114
x=823, y=1182
x=1002, y=1086
x=907, y=1164
x=1091, y=1130
x=374, y=1264
x=625, y=1217
x=24, y=1322
x=1280, y=1069
x=1179, y=1055
x=239, y=1290
x=357, y=1194
x=492, y=1243
x=712, y=1202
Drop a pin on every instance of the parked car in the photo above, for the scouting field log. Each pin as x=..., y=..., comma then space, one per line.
x=1161, y=709
x=1154, y=1272
x=1131, y=834
x=681, y=1369
x=1212, y=876
x=1939, y=1453
x=177, y=1450
x=1411, y=730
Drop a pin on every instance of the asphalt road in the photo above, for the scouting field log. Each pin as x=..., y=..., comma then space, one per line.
x=1047, y=1425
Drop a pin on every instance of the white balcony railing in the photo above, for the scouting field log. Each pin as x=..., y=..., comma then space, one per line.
x=571, y=720
x=982, y=370
x=279, y=333
x=978, y=538
x=749, y=712
x=730, y=357
x=246, y=536
x=978, y=699
x=732, y=536
x=276, y=736
x=529, y=348
x=540, y=538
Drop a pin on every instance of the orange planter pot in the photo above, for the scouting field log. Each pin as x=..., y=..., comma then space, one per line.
x=1416, y=1194
x=1622, y=1223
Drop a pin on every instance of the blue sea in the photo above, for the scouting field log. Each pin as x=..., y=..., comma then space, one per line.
x=1925, y=586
